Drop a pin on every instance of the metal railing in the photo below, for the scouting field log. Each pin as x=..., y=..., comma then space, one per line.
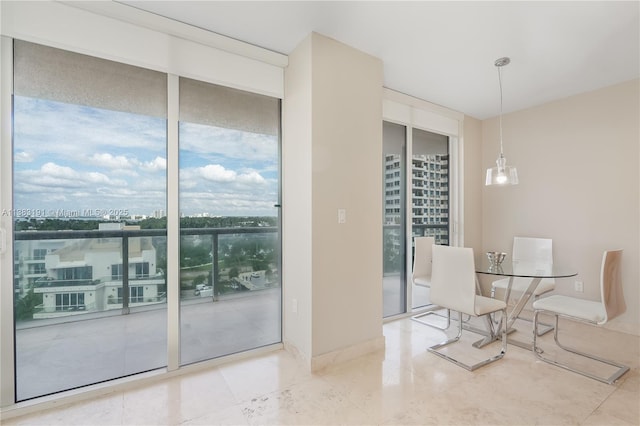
x=125, y=235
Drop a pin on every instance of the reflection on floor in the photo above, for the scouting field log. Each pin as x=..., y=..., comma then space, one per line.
x=404, y=384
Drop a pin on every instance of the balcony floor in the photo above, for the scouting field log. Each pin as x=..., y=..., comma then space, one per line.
x=79, y=350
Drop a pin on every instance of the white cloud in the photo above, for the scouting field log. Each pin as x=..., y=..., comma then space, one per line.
x=53, y=170
x=58, y=177
x=95, y=177
x=217, y=173
x=251, y=177
x=107, y=160
x=22, y=157
x=157, y=164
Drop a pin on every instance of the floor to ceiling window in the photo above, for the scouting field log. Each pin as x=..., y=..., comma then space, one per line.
x=229, y=191
x=89, y=155
x=90, y=208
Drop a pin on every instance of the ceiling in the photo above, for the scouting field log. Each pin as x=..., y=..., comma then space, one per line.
x=444, y=52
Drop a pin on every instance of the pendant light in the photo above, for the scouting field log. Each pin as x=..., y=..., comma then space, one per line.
x=501, y=174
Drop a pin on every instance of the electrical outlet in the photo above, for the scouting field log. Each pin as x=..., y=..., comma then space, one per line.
x=579, y=286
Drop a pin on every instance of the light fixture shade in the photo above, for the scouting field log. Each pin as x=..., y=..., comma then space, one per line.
x=501, y=174
x=507, y=176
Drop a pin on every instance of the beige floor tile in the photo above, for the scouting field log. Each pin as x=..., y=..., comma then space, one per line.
x=251, y=378
x=312, y=402
x=177, y=400
x=221, y=417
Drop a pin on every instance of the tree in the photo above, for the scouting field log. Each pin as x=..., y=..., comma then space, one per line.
x=233, y=272
x=25, y=307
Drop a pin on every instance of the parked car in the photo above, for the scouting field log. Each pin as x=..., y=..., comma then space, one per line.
x=199, y=289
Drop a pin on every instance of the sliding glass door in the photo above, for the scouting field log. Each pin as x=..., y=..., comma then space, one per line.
x=428, y=197
x=394, y=258
x=229, y=249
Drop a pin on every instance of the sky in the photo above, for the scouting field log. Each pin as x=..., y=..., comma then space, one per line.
x=72, y=158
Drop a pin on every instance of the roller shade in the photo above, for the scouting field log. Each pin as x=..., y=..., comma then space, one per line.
x=214, y=105
x=48, y=73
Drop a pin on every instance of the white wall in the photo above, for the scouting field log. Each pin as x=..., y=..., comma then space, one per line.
x=473, y=183
x=577, y=161
x=332, y=123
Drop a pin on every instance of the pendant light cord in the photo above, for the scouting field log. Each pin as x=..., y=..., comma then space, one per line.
x=500, y=84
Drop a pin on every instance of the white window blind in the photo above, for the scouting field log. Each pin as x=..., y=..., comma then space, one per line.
x=48, y=73
x=214, y=105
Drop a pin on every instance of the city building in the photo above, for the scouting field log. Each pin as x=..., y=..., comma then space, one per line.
x=87, y=276
x=29, y=262
x=429, y=200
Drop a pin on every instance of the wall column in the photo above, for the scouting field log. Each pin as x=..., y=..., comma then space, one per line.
x=332, y=163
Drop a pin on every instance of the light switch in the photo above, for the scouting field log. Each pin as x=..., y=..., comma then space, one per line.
x=342, y=215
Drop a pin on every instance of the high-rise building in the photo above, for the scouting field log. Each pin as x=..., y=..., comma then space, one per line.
x=430, y=194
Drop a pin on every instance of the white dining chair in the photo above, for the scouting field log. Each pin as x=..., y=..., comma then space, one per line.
x=526, y=249
x=421, y=276
x=610, y=305
x=453, y=286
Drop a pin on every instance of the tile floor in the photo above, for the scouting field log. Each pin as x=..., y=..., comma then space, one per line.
x=402, y=385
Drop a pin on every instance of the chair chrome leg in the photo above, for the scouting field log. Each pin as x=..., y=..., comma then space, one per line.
x=547, y=327
x=621, y=369
x=434, y=349
x=418, y=318
x=541, y=330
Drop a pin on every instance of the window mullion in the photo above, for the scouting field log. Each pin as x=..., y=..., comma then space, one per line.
x=7, y=366
x=173, y=225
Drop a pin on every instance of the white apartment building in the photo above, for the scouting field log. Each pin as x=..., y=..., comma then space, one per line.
x=86, y=275
x=29, y=262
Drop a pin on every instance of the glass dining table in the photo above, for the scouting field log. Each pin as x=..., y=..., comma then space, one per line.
x=534, y=270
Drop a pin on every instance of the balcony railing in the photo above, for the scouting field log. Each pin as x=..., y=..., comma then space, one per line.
x=162, y=297
x=50, y=282
x=80, y=308
x=125, y=235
